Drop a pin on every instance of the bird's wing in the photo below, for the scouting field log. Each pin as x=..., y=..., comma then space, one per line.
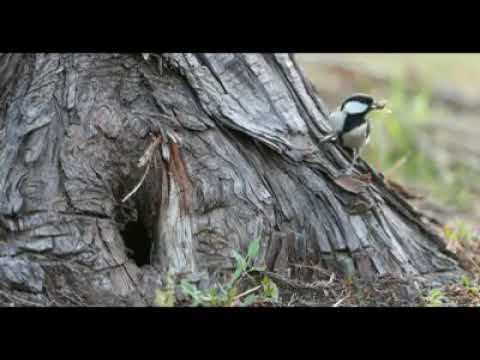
x=337, y=119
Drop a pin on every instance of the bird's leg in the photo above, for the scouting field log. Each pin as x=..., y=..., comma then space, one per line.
x=349, y=170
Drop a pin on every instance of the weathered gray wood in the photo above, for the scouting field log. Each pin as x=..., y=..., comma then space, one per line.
x=246, y=164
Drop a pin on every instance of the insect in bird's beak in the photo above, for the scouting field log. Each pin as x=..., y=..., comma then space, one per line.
x=381, y=105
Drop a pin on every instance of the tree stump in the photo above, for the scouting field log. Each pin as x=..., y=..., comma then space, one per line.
x=231, y=153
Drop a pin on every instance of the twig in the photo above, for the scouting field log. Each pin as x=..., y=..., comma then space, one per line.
x=340, y=301
x=292, y=299
x=144, y=160
x=332, y=278
x=238, y=297
x=147, y=156
x=280, y=278
x=73, y=301
x=138, y=185
x=474, y=263
x=324, y=283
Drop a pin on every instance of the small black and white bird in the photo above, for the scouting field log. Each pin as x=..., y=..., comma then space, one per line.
x=351, y=127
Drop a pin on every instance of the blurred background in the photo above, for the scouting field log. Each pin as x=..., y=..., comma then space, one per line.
x=430, y=144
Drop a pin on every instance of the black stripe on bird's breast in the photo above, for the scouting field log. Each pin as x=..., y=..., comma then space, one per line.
x=353, y=121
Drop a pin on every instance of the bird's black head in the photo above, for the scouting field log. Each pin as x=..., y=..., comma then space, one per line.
x=360, y=104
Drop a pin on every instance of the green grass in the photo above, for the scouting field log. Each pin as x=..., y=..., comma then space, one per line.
x=394, y=148
x=435, y=298
x=465, y=292
x=394, y=137
x=263, y=291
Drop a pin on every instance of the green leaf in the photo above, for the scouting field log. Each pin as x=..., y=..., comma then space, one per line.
x=164, y=298
x=270, y=289
x=253, y=249
x=238, y=272
x=435, y=297
x=259, y=269
x=223, y=290
x=249, y=300
x=190, y=290
x=212, y=298
x=241, y=266
x=213, y=292
x=466, y=281
x=231, y=294
x=241, y=263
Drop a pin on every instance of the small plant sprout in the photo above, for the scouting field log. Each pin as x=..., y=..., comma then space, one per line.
x=228, y=294
x=435, y=298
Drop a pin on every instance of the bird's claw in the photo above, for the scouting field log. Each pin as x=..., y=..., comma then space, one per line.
x=348, y=172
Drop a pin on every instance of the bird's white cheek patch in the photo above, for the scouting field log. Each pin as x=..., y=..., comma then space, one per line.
x=355, y=107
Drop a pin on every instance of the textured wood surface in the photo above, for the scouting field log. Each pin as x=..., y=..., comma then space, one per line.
x=239, y=159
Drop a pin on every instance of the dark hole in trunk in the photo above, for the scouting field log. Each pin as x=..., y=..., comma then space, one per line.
x=138, y=243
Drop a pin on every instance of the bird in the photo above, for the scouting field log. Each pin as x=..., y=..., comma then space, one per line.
x=351, y=127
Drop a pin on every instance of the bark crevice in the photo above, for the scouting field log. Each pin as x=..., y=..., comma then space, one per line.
x=239, y=159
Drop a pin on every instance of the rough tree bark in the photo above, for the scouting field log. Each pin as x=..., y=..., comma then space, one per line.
x=239, y=158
